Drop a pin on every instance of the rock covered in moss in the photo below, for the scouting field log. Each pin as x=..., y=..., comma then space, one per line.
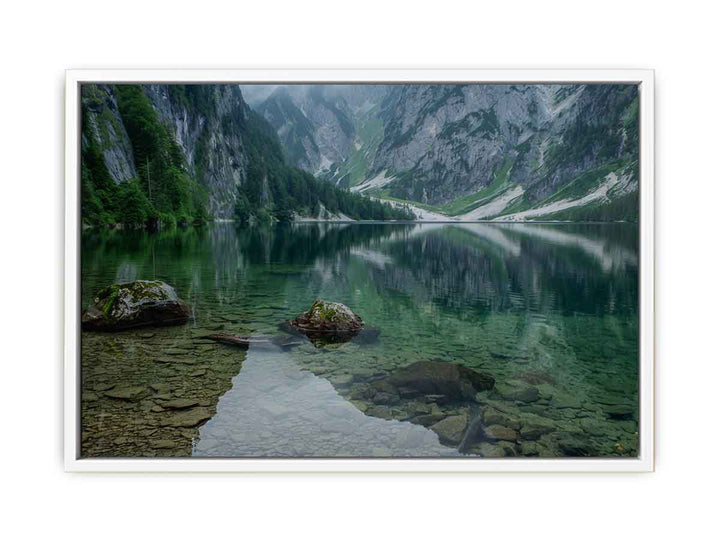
x=138, y=303
x=328, y=322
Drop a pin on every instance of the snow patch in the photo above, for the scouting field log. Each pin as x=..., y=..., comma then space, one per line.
x=420, y=213
x=611, y=181
x=375, y=182
x=495, y=206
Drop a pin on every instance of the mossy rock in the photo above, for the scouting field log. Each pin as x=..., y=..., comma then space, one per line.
x=137, y=303
x=328, y=322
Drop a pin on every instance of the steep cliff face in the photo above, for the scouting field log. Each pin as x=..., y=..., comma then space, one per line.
x=163, y=154
x=211, y=124
x=295, y=130
x=317, y=124
x=448, y=141
x=105, y=128
x=515, y=152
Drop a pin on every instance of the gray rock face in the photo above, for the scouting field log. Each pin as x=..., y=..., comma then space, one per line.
x=442, y=142
x=214, y=148
x=456, y=139
x=210, y=132
x=138, y=303
x=106, y=126
x=316, y=124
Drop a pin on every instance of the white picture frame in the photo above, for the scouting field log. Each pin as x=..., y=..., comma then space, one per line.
x=643, y=463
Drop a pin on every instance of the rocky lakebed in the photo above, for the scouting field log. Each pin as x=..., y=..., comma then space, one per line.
x=160, y=379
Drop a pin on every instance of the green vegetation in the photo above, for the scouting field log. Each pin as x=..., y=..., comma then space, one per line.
x=353, y=170
x=586, y=182
x=623, y=208
x=605, y=141
x=274, y=190
x=459, y=206
x=468, y=203
x=162, y=192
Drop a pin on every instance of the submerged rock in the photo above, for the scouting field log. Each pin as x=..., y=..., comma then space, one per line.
x=328, y=322
x=130, y=393
x=452, y=380
x=451, y=429
x=525, y=393
x=500, y=433
x=189, y=418
x=138, y=303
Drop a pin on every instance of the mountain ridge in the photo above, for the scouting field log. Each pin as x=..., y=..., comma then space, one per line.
x=489, y=151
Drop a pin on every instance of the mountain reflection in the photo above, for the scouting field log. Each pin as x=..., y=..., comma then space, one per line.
x=538, y=302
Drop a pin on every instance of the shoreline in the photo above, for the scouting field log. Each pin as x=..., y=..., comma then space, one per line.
x=86, y=227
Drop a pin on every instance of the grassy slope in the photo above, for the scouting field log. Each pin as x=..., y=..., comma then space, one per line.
x=370, y=132
x=622, y=208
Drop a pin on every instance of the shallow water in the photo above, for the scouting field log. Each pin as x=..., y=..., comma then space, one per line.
x=549, y=308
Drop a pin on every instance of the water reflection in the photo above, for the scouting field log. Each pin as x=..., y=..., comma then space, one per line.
x=275, y=409
x=555, y=305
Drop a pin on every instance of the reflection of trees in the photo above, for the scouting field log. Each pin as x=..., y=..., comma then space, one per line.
x=456, y=269
x=304, y=243
x=472, y=269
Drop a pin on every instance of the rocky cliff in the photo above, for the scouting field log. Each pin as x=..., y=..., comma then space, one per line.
x=210, y=123
x=475, y=151
x=313, y=124
x=161, y=154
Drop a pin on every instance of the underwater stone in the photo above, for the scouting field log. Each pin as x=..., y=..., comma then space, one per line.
x=451, y=429
x=495, y=417
x=532, y=431
x=434, y=378
x=526, y=394
x=500, y=433
x=190, y=418
x=132, y=393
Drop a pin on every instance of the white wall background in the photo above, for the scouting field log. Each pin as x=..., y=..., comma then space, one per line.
x=39, y=40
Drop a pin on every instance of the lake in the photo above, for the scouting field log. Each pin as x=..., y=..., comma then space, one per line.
x=549, y=310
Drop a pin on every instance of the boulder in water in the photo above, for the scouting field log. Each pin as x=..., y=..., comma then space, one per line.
x=328, y=322
x=453, y=380
x=137, y=303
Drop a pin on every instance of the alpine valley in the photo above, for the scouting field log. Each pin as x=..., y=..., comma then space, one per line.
x=359, y=330
x=468, y=152
x=154, y=154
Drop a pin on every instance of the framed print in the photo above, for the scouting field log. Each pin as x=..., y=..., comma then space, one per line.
x=359, y=270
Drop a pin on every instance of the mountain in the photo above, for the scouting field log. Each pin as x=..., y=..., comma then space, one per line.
x=313, y=125
x=187, y=153
x=490, y=151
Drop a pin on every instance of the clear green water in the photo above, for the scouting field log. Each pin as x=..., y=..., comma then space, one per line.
x=546, y=307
